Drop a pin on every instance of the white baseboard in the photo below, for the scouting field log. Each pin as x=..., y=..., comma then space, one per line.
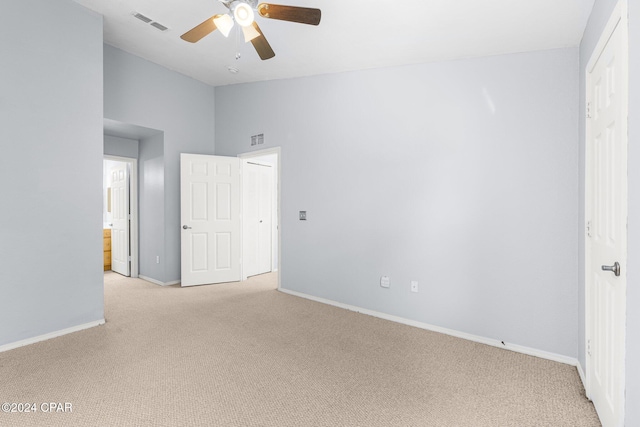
x=158, y=282
x=476, y=338
x=583, y=377
x=50, y=335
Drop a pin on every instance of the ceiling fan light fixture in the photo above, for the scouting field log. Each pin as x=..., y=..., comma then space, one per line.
x=224, y=23
x=243, y=14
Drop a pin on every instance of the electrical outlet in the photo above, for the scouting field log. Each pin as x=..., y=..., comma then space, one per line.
x=414, y=286
x=158, y=259
x=303, y=215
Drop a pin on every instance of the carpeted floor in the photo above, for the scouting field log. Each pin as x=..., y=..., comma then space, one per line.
x=246, y=355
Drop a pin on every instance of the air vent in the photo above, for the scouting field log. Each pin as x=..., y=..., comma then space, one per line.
x=149, y=21
x=143, y=18
x=159, y=26
x=257, y=139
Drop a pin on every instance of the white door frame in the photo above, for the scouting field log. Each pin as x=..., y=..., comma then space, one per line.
x=133, y=207
x=619, y=17
x=260, y=153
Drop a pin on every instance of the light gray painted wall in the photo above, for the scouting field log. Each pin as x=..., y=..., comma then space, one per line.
x=602, y=10
x=51, y=139
x=152, y=198
x=122, y=147
x=461, y=175
x=145, y=94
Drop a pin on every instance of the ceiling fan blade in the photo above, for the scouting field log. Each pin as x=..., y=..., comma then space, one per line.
x=303, y=15
x=198, y=32
x=261, y=44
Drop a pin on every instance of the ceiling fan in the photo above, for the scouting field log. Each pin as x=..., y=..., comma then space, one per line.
x=241, y=13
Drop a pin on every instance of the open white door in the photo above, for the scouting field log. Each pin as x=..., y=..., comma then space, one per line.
x=210, y=214
x=120, y=219
x=606, y=208
x=257, y=221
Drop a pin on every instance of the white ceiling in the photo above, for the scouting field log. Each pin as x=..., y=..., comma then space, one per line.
x=353, y=34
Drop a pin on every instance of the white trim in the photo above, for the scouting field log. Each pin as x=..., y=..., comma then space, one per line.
x=470, y=337
x=619, y=17
x=133, y=207
x=261, y=153
x=50, y=335
x=158, y=282
x=583, y=377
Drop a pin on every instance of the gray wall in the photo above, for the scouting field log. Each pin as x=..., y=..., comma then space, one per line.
x=461, y=175
x=51, y=139
x=152, y=197
x=139, y=92
x=600, y=15
x=122, y=147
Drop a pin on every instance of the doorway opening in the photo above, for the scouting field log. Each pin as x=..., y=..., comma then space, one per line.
x=142, y=149
x=120, y=215
x=260, y=208
x=261, y=240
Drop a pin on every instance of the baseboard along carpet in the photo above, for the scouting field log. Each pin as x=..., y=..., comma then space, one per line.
x=244, y=354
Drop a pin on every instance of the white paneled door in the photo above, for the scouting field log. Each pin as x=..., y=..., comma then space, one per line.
x=210, y=215
x=257, y=197
x=120, y=219
x=606, y=209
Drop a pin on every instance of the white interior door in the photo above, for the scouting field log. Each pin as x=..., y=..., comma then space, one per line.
x=257, y=217
x=607, y=226
x=120, y=219
x=210, y=213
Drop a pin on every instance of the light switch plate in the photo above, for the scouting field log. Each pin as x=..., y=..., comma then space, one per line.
x=303, y=215
x=385, y=282
x=414, y=286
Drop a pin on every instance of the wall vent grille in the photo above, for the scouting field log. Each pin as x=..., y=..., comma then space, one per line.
x=257, y=139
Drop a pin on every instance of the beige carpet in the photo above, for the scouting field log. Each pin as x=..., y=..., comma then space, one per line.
x=247, y=355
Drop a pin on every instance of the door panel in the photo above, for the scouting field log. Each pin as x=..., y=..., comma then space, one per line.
x=210, y=211
x=606, y=239
x=257, y=225
x=120, y=219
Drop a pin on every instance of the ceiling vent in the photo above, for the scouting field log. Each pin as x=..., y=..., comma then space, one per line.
x=159, y=26
x=143, y=18
x=149, y=21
